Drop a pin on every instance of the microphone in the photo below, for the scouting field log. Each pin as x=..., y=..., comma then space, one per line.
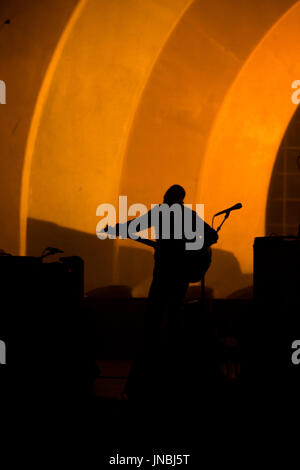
x=233, y=208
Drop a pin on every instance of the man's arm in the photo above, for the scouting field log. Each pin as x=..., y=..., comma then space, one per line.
x=141, y=223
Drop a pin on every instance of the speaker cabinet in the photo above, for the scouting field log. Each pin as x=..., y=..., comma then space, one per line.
x=277, y=269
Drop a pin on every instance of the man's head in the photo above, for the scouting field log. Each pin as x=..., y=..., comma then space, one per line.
x=174, y=195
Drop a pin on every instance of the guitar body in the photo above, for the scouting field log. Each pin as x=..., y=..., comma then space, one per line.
x=197, y=263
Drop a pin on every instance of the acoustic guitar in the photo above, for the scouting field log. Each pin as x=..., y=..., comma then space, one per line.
x=196, y=262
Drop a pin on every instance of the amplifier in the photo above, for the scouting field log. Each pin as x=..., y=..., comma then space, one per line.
x=277, y=269
x=275, y=323
x=41, y=322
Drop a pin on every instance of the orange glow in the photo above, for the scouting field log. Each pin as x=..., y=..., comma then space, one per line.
x=32, y=136
x=247, y=133
x=141, y=95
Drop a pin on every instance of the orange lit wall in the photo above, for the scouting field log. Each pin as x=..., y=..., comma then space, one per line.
x=138, y=95
x=247, y=133
x=26, y=48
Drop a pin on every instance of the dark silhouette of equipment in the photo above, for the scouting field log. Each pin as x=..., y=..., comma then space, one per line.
x=41, y=324
x=227, y=213
x=277, y=269
x=232, y=208
x=49, y=250
x=276, y=322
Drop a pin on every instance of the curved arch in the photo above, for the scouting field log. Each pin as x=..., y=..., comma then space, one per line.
x=34, y=126
x=283, y=205
x=247, y=133
x=86, y=107
x=172, y=126
x=98, y=102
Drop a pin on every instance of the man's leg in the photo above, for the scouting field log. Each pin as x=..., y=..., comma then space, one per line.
x=176, y=304
x=154, y=311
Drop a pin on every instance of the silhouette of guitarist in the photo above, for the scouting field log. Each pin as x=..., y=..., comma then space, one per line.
x=174, y=265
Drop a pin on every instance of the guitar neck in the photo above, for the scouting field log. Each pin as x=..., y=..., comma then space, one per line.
x=146, y=241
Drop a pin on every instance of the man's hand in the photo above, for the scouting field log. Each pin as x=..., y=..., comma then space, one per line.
x=210, y=236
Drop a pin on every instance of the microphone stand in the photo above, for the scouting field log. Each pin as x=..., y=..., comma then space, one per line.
x=203, y=279
x=225, y=217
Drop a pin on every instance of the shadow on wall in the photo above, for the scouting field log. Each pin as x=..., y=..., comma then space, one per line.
x=135, y=266
x=226, y=278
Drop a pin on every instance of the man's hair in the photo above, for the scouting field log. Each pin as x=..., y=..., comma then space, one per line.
x=174, y=195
